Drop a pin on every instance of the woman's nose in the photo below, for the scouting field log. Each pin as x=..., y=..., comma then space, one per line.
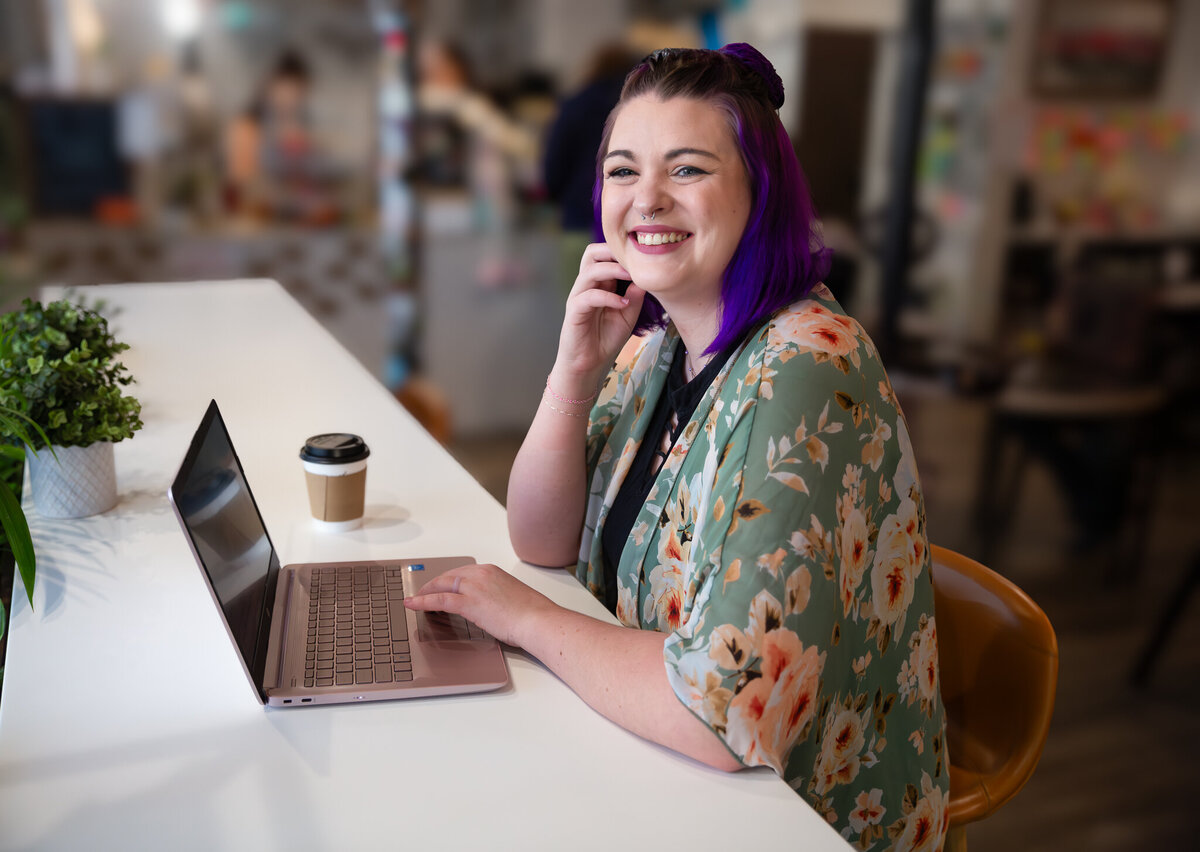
x=652, y=198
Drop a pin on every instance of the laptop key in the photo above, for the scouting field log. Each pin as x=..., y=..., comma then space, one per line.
x=383, y=674
x=344, y=678
x=363, y=676
x=398, y=622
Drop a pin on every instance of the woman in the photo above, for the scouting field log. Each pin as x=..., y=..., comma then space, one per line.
x=743, y=495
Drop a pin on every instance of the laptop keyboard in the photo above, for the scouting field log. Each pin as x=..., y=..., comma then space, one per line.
x=356, y=627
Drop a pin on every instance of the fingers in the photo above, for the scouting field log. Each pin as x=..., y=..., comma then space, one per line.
x=441, y=594
x=596, y=253
x=590, y=300
x=598, y=268
x=426, y=601
x=634, y=296
x=449, y=583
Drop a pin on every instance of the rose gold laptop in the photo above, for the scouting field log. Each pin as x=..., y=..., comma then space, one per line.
x=319, y=633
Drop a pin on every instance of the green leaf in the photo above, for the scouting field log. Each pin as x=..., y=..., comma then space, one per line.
x=14, y=423
x=12, y=518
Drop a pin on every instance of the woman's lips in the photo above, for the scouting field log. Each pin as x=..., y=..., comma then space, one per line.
x=657, y=239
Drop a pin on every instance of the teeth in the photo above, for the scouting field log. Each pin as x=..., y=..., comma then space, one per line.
x=660, y=239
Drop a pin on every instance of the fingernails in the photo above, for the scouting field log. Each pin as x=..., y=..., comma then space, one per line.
x=624, y=301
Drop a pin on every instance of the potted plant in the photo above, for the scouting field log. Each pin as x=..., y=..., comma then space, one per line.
x=59, y=369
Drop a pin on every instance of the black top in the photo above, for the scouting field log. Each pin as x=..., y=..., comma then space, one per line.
x=681, y=398
x=334, y=448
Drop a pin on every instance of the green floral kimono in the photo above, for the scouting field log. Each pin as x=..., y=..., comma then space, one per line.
x=783, y=551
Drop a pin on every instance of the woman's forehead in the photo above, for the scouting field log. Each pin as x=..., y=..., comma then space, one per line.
x=650, y=125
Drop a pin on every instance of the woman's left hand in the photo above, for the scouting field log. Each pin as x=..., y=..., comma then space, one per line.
x=492, y=598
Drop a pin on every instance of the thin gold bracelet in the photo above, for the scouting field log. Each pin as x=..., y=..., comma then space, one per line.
x=565, y=399
x=554, y=407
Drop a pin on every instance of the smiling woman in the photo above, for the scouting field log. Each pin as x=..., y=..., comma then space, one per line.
x=674, y=202
x=737, y=486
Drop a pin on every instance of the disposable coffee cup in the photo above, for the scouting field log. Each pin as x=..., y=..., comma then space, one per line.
x=335, y=470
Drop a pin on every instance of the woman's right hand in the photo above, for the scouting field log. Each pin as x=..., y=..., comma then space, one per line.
x=597, y=324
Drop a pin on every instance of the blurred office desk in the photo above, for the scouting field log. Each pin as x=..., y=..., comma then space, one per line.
x=126, y=720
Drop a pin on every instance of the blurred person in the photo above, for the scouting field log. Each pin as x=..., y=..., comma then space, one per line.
x=739, y=488
x=569, y=162
x=467, y=141
x=478, y=139
x=275, y=168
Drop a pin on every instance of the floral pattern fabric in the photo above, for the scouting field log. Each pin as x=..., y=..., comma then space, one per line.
x=782, y=549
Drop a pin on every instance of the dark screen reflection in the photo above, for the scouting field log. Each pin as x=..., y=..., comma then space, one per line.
x=228, y=534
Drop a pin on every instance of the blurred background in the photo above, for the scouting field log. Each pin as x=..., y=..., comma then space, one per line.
x=1011, y=187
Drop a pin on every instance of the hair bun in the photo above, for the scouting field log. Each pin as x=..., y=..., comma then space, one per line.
x=749, y=56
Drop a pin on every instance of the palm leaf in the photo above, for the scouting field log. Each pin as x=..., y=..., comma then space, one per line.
x=17, y=530
x=13, y=422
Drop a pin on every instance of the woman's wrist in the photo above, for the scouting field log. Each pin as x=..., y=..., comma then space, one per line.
x=572, y=388
x=533, y=632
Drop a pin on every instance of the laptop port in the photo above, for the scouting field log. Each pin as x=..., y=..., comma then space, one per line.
x=305, y=700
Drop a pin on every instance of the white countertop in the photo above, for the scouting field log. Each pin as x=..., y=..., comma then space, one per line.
x=127, y=723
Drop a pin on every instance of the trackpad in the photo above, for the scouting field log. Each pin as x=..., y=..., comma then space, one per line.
x=446, y=627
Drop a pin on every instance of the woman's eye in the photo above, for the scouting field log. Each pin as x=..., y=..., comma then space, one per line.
x=620, y=172
x=689, y=171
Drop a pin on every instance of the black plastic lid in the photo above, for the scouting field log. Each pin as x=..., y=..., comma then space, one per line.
x=334, y=448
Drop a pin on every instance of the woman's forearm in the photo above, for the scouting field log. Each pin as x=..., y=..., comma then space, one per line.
x=620, y=673
x=546, y=494
x=547, y=487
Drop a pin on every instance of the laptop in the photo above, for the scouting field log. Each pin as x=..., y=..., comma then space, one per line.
x=319, y=633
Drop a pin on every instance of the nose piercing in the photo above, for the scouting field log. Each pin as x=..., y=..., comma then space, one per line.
x=651, y=216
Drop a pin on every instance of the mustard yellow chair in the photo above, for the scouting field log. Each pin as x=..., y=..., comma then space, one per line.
x=426, y=402
x=999, y=671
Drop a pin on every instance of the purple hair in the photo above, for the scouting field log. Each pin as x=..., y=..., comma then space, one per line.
x=780, y=257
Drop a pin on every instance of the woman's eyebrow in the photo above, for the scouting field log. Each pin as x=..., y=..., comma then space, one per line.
x=680, y=152
x=671, y=155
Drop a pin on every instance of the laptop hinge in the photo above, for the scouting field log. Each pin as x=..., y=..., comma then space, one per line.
x=281, y=645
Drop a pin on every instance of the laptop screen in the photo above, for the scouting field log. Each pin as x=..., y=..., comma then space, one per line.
x=216, y=508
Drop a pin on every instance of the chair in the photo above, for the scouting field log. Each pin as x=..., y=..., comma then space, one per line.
x=999, y=669
x=426, y=402
x=1087, y=402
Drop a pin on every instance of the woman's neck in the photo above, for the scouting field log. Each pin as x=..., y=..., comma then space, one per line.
x=697, y=324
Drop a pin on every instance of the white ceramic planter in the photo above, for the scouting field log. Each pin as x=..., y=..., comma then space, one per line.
x=82, y=481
